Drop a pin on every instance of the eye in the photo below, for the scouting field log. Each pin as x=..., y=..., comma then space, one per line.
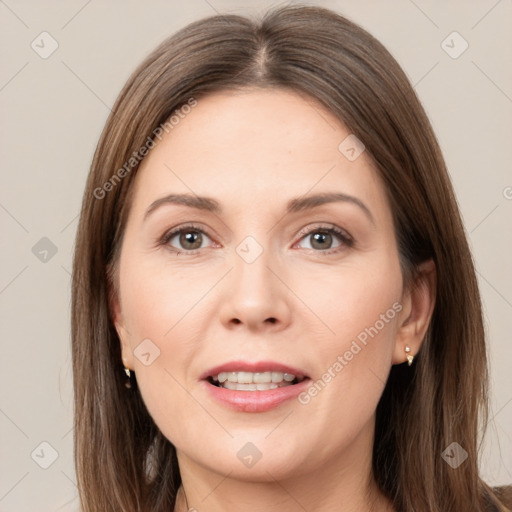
x=326, y=239
x=188, y=238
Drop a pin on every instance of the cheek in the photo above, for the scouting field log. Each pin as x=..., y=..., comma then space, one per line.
x=157, y=297
x=358, y=309
x=164, y=311
x=351, y=298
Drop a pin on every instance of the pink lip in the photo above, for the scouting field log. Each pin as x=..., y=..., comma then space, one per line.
x=260, y=366
x=254, y=401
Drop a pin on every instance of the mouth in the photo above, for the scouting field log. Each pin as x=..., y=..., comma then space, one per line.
x=254, y=376
x=254, y=381
x=254, y=386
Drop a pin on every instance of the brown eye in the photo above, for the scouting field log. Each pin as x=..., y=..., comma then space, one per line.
x=321, y=240
x=185, y=239
x=190, y=240
x=326, y=239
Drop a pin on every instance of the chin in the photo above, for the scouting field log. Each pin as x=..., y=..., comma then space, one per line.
x=248, y=457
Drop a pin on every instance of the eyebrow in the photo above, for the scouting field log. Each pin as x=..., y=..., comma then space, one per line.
x=294, y=205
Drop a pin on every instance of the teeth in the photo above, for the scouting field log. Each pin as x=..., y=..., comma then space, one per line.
x=251, y=387
x=249, y=378
x=277, y=376
x=262, y=378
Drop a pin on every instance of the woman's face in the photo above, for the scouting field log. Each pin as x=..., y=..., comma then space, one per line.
x=256, y=287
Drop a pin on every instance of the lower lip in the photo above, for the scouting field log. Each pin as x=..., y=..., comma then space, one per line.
x=255, y=401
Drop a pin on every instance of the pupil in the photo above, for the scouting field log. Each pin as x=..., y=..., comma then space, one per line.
x=191, y=237
x=322, y=238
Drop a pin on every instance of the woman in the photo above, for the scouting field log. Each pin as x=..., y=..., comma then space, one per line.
x=274, y=303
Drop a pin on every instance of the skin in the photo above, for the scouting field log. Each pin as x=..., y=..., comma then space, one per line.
x=252, y=151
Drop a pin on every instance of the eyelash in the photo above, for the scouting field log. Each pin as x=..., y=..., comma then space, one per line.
x=345, y=238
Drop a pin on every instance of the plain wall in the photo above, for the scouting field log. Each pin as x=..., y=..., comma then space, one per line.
x=52, y=112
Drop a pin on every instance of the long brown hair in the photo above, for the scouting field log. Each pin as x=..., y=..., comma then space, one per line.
x=123, y=462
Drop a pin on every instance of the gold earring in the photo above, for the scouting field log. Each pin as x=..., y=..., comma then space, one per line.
x=410, y=357
x=128, y=381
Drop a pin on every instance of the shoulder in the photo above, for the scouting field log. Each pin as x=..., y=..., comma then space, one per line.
x=504, y=496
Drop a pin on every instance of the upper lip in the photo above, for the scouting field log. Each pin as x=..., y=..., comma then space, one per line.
x=254, y=367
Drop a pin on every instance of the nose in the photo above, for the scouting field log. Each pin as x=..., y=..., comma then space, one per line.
x=254, y=295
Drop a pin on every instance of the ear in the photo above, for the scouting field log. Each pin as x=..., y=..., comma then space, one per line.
x=120, y=325
x=418, y=303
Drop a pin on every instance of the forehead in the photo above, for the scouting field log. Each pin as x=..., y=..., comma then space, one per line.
x=256, y=146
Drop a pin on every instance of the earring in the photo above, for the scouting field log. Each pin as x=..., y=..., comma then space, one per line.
x=410, y=358
x=128, y=381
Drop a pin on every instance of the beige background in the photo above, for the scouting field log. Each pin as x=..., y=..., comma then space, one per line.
x=53, y=110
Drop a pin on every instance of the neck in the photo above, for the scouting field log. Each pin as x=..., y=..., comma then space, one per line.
x=280, y=498
x=344, y=482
